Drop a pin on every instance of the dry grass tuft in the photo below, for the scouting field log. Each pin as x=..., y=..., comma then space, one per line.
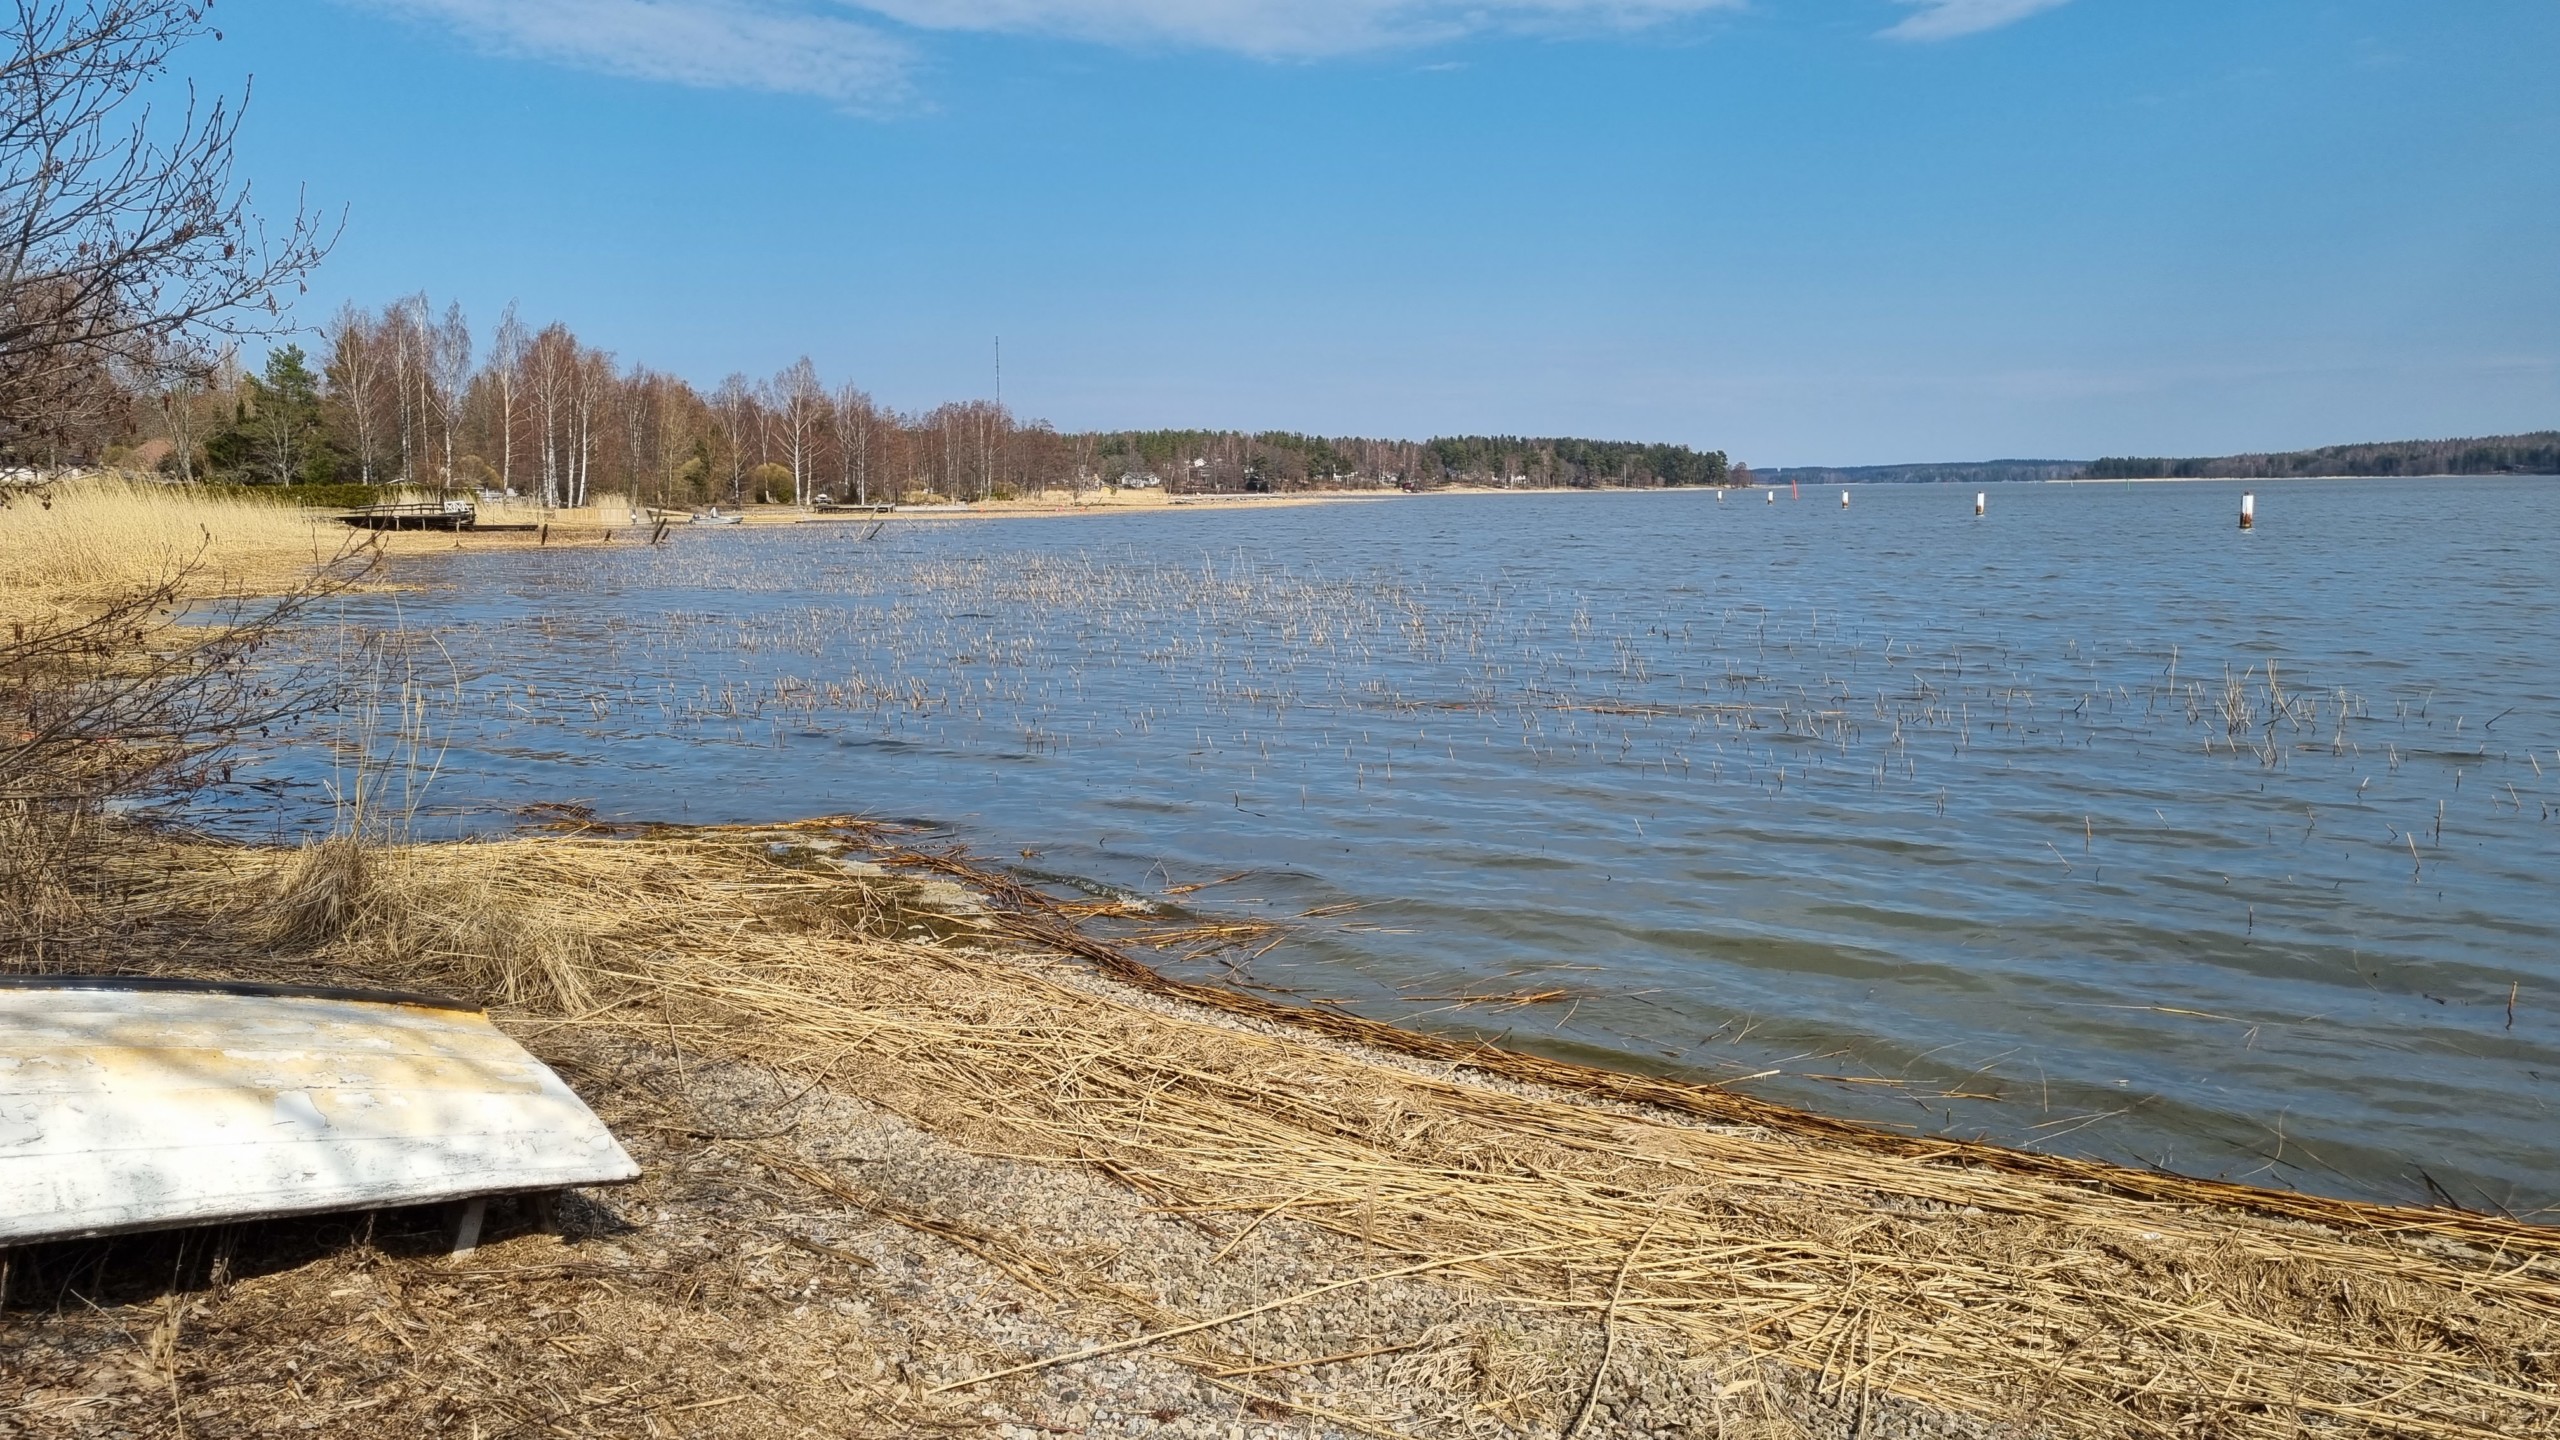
x=392, y=910
x=473, y=931
x=319, y=893
x=42, y=854
x=102, y=537
x=2054, y=1302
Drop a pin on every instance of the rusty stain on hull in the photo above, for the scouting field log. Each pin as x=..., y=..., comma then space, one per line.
x=126, y=1107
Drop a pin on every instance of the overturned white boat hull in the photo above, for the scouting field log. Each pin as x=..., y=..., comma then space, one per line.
x=141, y=1104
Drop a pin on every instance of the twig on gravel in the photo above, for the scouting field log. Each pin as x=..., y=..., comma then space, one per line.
x=1303, y=1408
x=1246, y=1233
x=1609, y=1331
x=1095, y=1352
x=1315, y=1360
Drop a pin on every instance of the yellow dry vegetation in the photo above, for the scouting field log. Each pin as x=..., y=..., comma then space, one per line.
x=2031, y=1294
x=75, y=544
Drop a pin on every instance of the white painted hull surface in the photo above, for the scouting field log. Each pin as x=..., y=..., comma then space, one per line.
x=125, y=1108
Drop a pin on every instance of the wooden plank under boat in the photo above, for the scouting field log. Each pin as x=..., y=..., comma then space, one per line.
x=140, y=1104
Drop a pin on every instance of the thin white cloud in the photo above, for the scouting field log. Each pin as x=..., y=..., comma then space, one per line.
x=768, y=45
x=1291, y=28
x=838, y=50
x=1946, y=19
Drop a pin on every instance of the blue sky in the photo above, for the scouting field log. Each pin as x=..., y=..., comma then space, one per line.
x=1804, y=231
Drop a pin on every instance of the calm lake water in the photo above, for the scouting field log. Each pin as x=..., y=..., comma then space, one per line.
x=2094, y=824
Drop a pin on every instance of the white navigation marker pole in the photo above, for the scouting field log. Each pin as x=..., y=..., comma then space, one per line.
x=1772, y=494
x=1979, y=496
x=2248, y=511
x=1844, y=499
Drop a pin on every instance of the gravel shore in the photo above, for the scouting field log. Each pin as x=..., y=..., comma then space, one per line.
x=918, y=1161
x=796, y=1261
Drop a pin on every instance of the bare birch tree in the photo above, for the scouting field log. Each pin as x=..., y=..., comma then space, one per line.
x=448, y=372
x=735, y=403
x=360, y=395
x=551, y=383
x=591, y=390
x=798, y=404
x=507, y=349
x=636, y=411
x=185, y=388
x=854, y=420
x=404, y=328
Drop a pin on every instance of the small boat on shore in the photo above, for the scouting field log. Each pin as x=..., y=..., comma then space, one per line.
x=142, y=1104
x=714, y=517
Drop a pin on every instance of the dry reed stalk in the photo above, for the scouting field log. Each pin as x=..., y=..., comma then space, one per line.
x=92, y=538
x=2042, y=1293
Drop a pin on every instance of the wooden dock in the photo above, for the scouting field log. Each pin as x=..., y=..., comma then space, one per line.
x=414, y=515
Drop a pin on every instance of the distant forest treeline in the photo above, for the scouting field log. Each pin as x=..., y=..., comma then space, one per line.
x=2535, y=454
x=409, y=395
x=1278, y=459
x=1973, y=472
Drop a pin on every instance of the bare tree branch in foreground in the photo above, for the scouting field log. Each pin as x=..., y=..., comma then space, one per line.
x=122, y=238
x=125, y=704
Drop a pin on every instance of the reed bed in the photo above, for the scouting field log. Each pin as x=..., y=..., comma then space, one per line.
x=79, y=543
x=2043, y=1296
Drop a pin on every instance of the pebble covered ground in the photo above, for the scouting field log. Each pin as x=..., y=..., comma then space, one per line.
x=797, y=1262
